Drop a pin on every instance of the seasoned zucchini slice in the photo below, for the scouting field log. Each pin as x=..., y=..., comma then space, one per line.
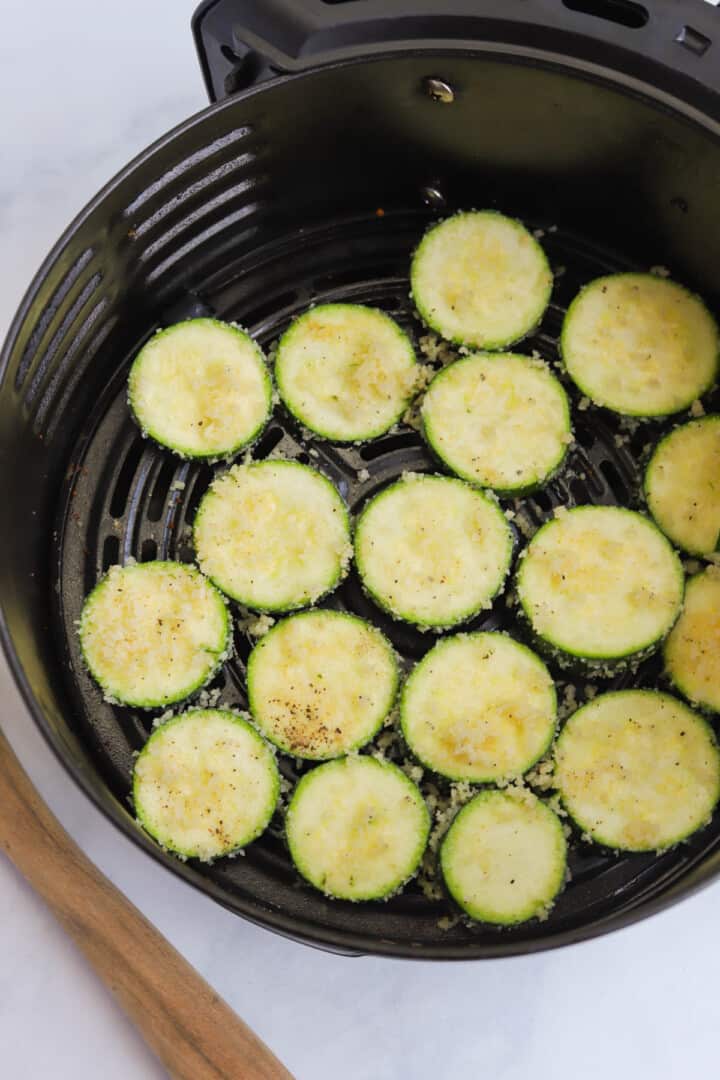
x=479, y=707
x=503, y=859
x=152, y=633
x=433, y=551
x=345, y=371
x=201, y=388
x=640, y=344
x=500, y=421
x=357, y=828
x=480, y=279
x=205, y=784
x=692, y=651
x=600, y=583
x=273, y=535
x=321, y=683
x=682, y=485
x=637, y=770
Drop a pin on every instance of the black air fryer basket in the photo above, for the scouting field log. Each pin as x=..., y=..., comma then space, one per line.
x=338, y=131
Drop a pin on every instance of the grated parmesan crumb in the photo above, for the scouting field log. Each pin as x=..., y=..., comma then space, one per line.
x=177, y=485
x=163, y=718
x=697, y=408
x=411, y=416
x=436, y=350
x=542, y=774
x=584, y=404
x=363, y=475
x=568, y=701
x=208, y=699
x=448, y=922
x=660, y=271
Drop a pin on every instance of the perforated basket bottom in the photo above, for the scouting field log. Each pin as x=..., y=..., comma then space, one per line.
x=126, y=498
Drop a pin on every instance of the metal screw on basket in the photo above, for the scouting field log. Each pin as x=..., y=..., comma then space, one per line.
x=439, y=90
x=432, y=196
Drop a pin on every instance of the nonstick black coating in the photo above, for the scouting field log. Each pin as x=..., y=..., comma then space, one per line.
x=252, y=211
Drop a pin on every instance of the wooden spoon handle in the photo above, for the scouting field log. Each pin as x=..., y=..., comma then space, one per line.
x=191, y=1029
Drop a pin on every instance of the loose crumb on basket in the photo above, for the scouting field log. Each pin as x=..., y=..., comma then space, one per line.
x=448, y=922
x=208, y=699
x=660, y=271
x=253, y=624
x=568, y=701
x=163, y=718
x=697, y=408
x=436, y=350
x=523, y=522
x=542, y=775
x=444, y=807
x=363, y=475
x=411, y=416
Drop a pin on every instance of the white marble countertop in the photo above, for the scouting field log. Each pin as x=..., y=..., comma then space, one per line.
x=83, y=87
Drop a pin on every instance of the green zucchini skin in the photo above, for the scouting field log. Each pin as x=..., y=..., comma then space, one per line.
x=258, y=522
x=136, y=635
x=504, y=858
x=346, y=372
x=321, y=683
x=231, y=389
x=357, y=828
x=443, y=575
x=691, y=652
x=590, y=581
x=637, y=770
x=472, y=421
x=496, y=716
x=452, y=278
x=600, y=351
x=205, y=784
x=681, y=488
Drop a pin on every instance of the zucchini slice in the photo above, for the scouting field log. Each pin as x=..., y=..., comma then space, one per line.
x=321, y=683
x=692, y=651
x=479, y=707
x=205, y=784
x=640, y=344
x=503, y=859
x=201, y=388
x=682, y=485
x=480, y=279
x=152, y=633
x=357, y=828
x=500, y=421
x=273, y=535
x=345, y=371
x=637, y=770
x=600, y=583
x=432, y=550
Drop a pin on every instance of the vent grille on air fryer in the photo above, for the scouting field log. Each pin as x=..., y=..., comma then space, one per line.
x=194, y=219
x=178, y=218
x=125, y=498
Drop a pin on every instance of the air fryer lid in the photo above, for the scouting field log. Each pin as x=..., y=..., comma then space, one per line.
x=267, y=202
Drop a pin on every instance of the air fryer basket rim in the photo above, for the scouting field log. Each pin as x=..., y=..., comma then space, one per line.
x=350, y=943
